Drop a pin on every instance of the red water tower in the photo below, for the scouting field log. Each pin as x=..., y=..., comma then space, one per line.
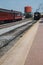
x=28, y=9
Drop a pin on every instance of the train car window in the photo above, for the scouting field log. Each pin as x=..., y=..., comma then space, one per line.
x=18, y=14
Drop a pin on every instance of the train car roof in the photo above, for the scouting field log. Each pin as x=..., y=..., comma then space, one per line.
x=9, y=11
x=36, y=12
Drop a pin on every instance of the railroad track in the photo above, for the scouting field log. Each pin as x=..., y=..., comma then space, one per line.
x=5, y=30
x=7, y=37
x=5, y=25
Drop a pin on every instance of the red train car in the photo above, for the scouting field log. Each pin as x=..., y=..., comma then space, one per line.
x=9, y=15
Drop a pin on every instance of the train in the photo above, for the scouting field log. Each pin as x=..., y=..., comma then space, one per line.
x=37, y=15
x=10, y=15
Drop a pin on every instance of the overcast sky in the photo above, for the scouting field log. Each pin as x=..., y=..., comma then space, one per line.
x=20, y=4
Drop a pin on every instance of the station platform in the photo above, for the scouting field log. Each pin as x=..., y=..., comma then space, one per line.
x=18, y=53
x=28, y=50
x=35, y=55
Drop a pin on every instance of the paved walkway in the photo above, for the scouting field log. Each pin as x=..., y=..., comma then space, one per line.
x=18, y=53
x=35, y=56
